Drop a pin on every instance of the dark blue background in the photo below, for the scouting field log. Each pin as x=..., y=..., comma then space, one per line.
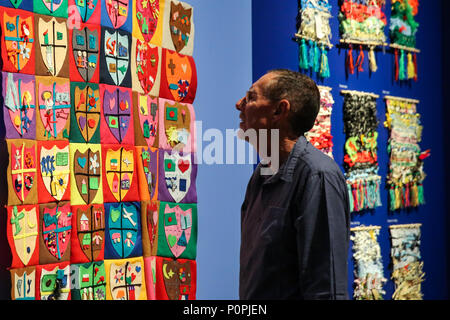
x=274, y=26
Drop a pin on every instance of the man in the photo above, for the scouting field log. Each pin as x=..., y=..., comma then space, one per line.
x=295, y=222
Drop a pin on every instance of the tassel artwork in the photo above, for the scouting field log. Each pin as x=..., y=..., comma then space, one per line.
x=361, y=161
x=362, y=23
x=314, y=36
x=320, y=135
x=369, y=273
x=407, y=264
x=406, y=175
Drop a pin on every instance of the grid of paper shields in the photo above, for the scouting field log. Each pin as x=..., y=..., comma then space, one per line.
x=99, y=120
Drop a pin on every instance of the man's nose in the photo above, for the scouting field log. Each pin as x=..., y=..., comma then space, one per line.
x=240, y=104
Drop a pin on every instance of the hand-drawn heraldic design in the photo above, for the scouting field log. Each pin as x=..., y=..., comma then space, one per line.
x=18, y=37
x=117, y=109
x=147, y=14
x=53, y=44
x=19, y=105
x=117, y=11
x=127, y=280
x=54, y=108
x=176, y=127
x=23, y=163
x=91, y=230
x=88, y=281
x=147, y=62
x=86, y=8
x=179, y=173
x=116, y=46
x=86, y=112
x=179, y=279
x=178, y=226
x=119, y=170
x=85, y=44
x=180, y=25
x=123, y=230
x=87, y=171
x=23, y=230
x=54, y=281
x=55, y=169
x=56, y=228
x=147, y=109
x=23, y=283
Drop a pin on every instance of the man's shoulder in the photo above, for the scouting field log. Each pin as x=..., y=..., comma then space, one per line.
x=312, y=162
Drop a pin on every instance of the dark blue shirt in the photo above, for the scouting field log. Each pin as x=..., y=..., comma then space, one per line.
x=295, y=229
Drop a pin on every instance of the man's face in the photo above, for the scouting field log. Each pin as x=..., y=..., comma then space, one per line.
x=256, y=110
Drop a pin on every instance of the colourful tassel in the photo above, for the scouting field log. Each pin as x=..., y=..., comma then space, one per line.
x=415, y=67
x=350, y=196
x=360, y=60
x=372, y=60
x=350, y=65
x=316, y=58
x=411, y=68
x=303, y=55
x=396, y=65
x=421, y=194
x=324, y=67
x=401, y=68
x=414, y=195
x=311, y=52
x=392, y=198
x=398, y=197
x=378, y=203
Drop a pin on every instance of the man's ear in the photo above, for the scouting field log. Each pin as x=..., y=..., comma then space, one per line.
x=282, y=110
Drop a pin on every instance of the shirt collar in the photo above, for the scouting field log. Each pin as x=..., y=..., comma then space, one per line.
x=286, y=170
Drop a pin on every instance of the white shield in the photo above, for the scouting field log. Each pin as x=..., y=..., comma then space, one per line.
x=177, y=174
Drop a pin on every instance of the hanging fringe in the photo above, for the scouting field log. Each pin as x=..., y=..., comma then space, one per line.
x=372, y=60
x=303, y=55
x=408, y=195
x=415, y=67
x=350, y=65
x=324, y=67
x=396, y=65
x=421, y=196
x=311, y=44
x=401, y=68
x=364, y=195
x=316, y=66
x=360, y=60
x=411, y=68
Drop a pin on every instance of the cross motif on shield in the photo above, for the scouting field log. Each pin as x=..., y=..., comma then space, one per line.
x=23, y=169
x=56, y=229
x=19, y=39
x=117, y=56
x=124, y=228
x=117, y=11
x=91, y=230
x=88, y=281
x=85, y=51
x=126, y=280
x=87, y=173
x=55, y=170
x=87, y=109
x=24, y=231
x=117, y=111
x=179, y=74
x=54, y=107
x=53, y=44
x=19, y=100
x=119, y=168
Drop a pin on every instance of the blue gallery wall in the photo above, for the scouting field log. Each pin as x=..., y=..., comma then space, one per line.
x=222, y=54
x=273, y=47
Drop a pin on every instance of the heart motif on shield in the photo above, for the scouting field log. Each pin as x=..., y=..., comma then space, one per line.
x=24, y=225
x=177, y=227
x=86, y=11
x=124, y=227
x=54, y=43
x=87, y=110
x=147, y=62
x=177, y=173
x=177, y=279
x=56, y=229
x=19, y=40
x=119, y=168
x=87, y=171
x=20, y=101
x=52, y=5
x=117, y=111
x=55, y=170
x=85, y=51
x=117, y=11
x=117, y=55
x=147, y=14
x=179, y=74
x=126, y=280
x=148, y=118
x=180, y=25
x=54, y=107
x=23, y=169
